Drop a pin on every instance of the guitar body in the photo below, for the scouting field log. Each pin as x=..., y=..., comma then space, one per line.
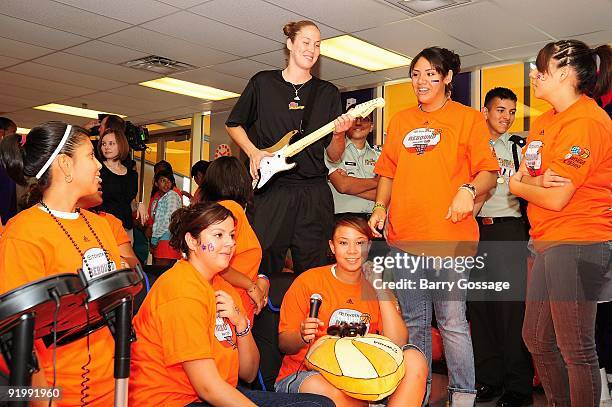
x=270, y=166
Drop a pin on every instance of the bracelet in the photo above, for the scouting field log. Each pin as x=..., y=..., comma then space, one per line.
x=246, y=330
x=264, y=277
x=470, y=188
x=379, y=205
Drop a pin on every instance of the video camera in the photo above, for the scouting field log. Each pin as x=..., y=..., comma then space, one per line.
x=136, y=136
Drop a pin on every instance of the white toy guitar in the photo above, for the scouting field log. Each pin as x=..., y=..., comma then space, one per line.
x=270, y=166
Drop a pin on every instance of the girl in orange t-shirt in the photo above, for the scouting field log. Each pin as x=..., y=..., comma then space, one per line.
x=194, y=340
x=227, y=181
x=565, y=177
x=55, y=237
x=435, y=162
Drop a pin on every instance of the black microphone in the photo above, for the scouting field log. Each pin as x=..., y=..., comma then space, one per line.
x=315, y=304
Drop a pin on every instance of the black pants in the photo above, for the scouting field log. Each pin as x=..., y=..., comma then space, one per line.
x=271, y=399
x=299, y=217
x=500, y=355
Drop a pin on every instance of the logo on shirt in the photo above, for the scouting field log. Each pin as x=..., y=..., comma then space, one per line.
x=349, y=301
x=577, y=156
x=533, y=157
x=350, y=316
x=370, y=161
x=422, y=139
x=295, y=106
x=224, y=334
x=95, y=264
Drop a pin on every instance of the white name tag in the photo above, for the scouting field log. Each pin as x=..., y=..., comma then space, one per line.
x=95, y=264
x=421, y=140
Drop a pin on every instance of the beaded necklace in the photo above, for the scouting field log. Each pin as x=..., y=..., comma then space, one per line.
x=74, y=243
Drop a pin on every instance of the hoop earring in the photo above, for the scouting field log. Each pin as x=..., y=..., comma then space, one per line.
x=68, y=178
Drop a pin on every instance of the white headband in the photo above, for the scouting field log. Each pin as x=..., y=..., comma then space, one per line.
x=55, y=153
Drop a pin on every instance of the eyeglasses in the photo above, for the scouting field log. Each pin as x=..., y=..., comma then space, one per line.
x=345, y=329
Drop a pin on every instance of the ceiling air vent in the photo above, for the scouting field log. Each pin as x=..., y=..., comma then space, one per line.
x=420, y=7
x=157, y=64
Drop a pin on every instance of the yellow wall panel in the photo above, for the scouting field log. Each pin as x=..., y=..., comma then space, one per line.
x=511, y=77
x=398, y=97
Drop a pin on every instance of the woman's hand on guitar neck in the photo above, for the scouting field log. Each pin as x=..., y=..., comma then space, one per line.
x=343, y=123
x=255, y=157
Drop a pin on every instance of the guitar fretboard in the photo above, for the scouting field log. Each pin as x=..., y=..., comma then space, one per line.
x=313, y=137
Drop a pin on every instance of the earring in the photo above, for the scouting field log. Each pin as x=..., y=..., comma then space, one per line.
x=68, y=178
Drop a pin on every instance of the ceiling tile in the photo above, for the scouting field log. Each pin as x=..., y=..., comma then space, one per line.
x=63, y=17
x=6, y=108
x=596, y=38
x=275, y=58
x=96, y=68
x=35, y=34
x=20, y=102
x=345, y=15
x=21, y=50
x=154, y=43
x=64, y=76
x=27, y=93
x=561, y=18
x=522, y=52
x=401, y=72
x=243, y=68
x=208, y=77
x=153, y=95
x=62, y=90
x=32, y=118
x=370, y=79
x=103, y=51
x=132, y=11
x=476, y=60
x=255, y=16
x=329, y=69
x=129, y=105
x=164, y=115
x=410, y=37
x=207, y=32
x=183, y=4
x=8, y=61
x=472, y=22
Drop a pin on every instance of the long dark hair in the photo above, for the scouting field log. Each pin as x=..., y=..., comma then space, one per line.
x=593, y=67
x=227, y=178
x=442, y=60
x=194, y=219
x=22, y=163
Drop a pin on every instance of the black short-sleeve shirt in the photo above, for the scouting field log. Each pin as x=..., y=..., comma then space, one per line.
x=263, y=111
x=118, y=191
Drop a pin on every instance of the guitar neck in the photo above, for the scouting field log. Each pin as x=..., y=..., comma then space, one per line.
x=313, y=137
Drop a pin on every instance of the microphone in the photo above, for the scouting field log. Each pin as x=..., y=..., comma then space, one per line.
x=315, y=304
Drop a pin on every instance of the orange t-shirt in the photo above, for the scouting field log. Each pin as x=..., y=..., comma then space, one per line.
x=342, y=302
x=247, y=254
x=33, y=246
x=119, y=232
x=429, y=156
x=576, y=144
x=177, y=323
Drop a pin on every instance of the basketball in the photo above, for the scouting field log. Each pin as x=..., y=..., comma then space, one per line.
x=364, y=367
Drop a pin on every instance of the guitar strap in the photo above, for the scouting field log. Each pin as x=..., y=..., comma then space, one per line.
x=309, y=105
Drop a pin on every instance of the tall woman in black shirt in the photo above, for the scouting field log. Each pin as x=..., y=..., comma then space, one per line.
x=295, y=210
x=119, y=183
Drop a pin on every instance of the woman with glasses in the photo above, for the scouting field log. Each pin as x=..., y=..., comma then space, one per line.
x=349, y=303
x=565, y=176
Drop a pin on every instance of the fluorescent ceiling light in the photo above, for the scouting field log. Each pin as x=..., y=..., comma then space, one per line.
x=189, y=88
x=73, y=111
x=359, y=53
x=23, y=130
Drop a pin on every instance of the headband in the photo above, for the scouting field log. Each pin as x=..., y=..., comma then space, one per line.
x=55, y=153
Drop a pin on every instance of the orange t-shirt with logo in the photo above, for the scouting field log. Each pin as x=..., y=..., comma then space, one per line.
x=247, y=254
x=429, y=156
x=576, y=144
x=177, y=323
x=33, y=246
x=116, y=226
x=342, y=302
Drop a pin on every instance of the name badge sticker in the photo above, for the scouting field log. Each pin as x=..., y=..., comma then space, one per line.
x=95, y=264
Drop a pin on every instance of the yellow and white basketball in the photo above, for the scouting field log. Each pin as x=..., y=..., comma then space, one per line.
x=364, y=367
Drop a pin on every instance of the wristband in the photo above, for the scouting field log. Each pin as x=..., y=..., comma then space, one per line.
x=246, y=330
x=470, y=188
x=264, y=277
x=379, y=205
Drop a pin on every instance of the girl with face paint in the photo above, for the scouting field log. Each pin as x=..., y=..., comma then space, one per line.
x=436, y=161
x=194, y=339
